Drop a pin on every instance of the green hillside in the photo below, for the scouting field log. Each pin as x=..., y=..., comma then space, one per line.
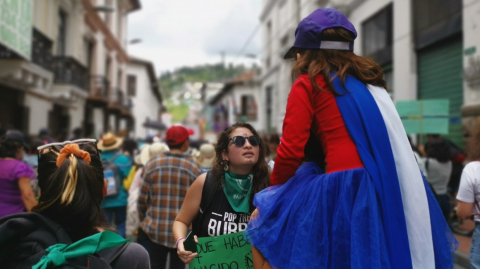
x=172, y=81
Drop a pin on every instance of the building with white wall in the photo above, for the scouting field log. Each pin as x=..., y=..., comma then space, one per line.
x=143, y=89
x=69, y=69
x=237, y=101
x=427, y=49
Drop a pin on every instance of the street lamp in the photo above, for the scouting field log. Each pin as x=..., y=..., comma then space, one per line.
x=134, y=41
x=103, y=9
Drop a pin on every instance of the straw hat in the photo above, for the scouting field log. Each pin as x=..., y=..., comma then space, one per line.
x=207, y=155
x=109, y=141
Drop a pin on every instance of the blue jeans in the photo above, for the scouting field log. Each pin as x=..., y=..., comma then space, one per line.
x=120, y=216
x=475, y=248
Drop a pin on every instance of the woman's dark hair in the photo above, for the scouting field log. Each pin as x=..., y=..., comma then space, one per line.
x=9, y=148
x=274, y=139
x=261, y=175
x=438, y=149
x=342, y=62
x=72, y=193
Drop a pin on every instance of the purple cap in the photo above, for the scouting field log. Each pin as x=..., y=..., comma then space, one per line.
x=308, y=32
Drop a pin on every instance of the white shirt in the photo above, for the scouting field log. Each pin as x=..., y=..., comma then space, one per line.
x=469, y=190
x=438, y=175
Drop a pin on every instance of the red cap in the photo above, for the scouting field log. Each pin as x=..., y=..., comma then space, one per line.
x=176, y=135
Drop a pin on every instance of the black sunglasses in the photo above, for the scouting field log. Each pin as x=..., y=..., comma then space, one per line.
x=59, y=145
x=239, y=140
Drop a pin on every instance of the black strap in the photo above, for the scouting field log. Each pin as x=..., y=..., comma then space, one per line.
x=112, y=159
x=111, y=254
x=208, y=192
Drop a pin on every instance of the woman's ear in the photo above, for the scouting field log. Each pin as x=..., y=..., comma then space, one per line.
x=104, y=190
x=224, y=155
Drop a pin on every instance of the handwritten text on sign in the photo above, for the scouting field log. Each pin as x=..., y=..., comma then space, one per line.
x=229, y=251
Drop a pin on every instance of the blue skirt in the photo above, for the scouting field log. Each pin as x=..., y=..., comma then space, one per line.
x=318, y=220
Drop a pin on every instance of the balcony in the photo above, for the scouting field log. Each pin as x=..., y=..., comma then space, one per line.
x=42, y=50
x=116, y=100
x=69, y=71
x=99, y=86
x=127, y=106
x=34, y=72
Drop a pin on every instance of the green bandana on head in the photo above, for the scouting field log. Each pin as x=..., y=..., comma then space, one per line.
x=237, y=189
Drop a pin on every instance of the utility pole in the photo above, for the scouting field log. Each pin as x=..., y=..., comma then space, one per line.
x=222, y=57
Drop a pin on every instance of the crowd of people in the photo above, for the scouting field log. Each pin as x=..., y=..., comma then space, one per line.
x=342, y=187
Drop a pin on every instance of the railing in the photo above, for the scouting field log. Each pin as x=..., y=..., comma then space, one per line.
x=127, y=104
x=42, y=50
x=99, y=86
x=116, y=97
x=67, y=70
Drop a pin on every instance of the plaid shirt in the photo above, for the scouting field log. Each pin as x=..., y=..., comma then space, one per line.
x=165, y=185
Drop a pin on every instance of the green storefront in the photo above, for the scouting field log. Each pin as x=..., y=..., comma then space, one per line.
x=440, y=77
x=438, y=27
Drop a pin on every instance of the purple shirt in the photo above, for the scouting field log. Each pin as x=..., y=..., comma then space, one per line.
x=10, y=197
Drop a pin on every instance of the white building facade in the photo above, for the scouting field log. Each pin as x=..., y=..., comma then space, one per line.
x=237, y=101
x=427, y=49
x=143, y=89
x=69, y=70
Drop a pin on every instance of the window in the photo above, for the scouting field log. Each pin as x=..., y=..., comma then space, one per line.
x=378, y=36
x=62, y=33
x=248, y=107
x=435, y=20
x=131, y=85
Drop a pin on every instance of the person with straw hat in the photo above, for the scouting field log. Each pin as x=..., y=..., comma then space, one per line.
x=117, y=165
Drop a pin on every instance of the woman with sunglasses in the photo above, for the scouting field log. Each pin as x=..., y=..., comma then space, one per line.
x=368, y=206
x=72, y=187
x=239, y=170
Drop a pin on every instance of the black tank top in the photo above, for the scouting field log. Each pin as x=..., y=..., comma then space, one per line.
x=219, y=218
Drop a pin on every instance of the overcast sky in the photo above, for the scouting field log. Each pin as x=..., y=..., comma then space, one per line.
x=177, y=33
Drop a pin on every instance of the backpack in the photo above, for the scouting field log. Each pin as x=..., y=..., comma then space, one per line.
x=26, y=236
x=111, y=174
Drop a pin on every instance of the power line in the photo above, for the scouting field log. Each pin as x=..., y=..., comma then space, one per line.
x=276, y=34
x=242, y=50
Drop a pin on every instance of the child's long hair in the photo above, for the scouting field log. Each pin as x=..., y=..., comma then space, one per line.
x=341, y=62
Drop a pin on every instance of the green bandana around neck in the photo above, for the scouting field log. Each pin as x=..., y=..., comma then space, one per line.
x=237, y=189
x=59, y=254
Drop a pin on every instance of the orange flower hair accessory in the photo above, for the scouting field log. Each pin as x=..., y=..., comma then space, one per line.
x=75, y=150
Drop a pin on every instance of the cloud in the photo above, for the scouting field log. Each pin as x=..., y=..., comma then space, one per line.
x=191, y=32
x=233, y=32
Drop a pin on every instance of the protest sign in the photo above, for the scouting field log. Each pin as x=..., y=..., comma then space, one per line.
x=424, y=116
x=231, y=251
